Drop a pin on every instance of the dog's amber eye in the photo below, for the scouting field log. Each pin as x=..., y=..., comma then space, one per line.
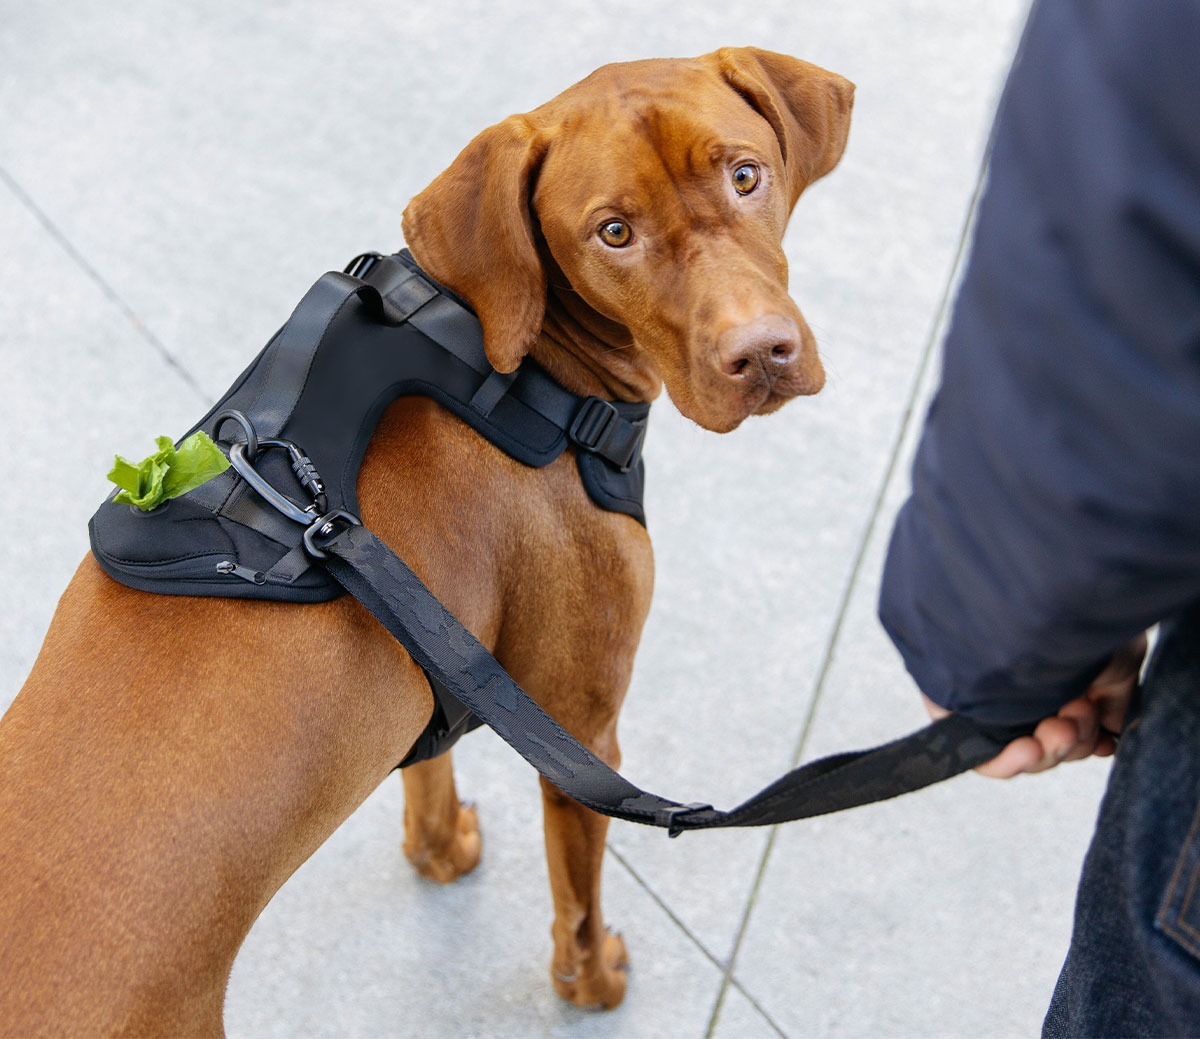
x=745, y=179
x=616, y=233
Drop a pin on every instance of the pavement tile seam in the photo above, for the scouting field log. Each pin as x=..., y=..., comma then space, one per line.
x=54, y=232
x=728, y=979
x=696, y=941
x=664, y=906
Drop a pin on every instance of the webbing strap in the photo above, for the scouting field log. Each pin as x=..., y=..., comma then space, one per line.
x=379, y=579
x=398, y=292
x=293, y=353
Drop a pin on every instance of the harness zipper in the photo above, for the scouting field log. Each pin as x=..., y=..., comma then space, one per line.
x=226, y=566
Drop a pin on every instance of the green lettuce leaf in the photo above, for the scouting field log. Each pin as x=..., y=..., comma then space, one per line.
x=167, y=473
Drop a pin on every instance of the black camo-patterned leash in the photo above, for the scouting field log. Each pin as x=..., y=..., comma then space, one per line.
x=380, y=580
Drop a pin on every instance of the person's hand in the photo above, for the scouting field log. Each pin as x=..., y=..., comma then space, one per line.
x=1083, y=727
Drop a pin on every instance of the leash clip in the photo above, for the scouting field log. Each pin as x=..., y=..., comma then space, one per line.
x=318, y=519
x=326, y=527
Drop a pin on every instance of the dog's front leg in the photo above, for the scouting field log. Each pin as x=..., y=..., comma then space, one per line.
x=441, y=835
x=589, y=963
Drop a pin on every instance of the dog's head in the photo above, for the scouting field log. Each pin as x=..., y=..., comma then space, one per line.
x=648, y=201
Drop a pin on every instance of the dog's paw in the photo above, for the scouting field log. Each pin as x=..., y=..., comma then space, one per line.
x=599, y=984
x=449, y=859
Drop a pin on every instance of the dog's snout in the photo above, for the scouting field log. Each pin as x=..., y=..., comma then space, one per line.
x=759, y=350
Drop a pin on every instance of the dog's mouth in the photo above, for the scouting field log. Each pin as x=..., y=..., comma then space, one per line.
x=791, y=385
x=769, y=388
x=720, y=403
x=759, y=364
x=771, y=403
x=723, y=412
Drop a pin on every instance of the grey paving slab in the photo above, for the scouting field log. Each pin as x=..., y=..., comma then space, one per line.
x=359, y=945
x=945, y=913
x=80, y=384
x=192, y=169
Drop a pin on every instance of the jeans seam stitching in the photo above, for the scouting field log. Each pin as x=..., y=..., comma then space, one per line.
x=1173, y=924
x=1187, y=901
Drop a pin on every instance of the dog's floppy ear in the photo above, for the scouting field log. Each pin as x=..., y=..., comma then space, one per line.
x=807, y=106
x=472, y=230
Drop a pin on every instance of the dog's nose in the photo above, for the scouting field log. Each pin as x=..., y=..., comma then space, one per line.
x=759, y=350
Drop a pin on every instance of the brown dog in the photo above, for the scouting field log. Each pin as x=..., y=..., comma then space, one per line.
x=626, y=234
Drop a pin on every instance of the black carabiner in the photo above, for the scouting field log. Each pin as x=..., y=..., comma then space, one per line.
x=242, y=456
x=241, y=463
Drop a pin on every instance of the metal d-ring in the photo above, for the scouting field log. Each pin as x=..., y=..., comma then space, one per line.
x=251, y=437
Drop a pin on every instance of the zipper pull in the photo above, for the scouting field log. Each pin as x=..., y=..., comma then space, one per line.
x=244, y=572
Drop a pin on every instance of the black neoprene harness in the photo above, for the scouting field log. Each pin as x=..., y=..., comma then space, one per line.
x=356, y=342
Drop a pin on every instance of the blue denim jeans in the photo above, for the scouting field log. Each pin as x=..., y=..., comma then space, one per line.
x=1133, y=968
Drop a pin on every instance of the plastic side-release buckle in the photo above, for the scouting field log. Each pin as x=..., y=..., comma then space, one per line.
x=599, y=427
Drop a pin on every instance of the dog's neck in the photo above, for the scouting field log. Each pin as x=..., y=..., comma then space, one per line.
x=588, y=353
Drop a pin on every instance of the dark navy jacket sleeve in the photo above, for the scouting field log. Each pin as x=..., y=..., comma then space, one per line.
x=1055, y=509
